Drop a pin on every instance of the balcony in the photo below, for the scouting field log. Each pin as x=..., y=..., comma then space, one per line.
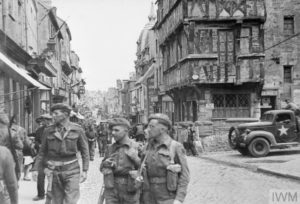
x=42, y=65
x=209, y=71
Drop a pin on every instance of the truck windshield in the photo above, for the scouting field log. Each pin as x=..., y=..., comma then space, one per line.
x=267, y=117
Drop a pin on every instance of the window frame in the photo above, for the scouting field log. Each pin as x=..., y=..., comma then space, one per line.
x=284, y=74
x=288, y=20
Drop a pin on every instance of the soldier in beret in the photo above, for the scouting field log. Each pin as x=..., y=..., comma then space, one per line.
x=62, y=142
x=166, y=164
x=119, y=166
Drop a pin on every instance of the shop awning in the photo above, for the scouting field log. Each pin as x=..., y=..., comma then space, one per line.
x=148, y=74
x=20, y=75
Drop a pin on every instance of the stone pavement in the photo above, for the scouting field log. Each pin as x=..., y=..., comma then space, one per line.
x=284, y=162
x=210, y=183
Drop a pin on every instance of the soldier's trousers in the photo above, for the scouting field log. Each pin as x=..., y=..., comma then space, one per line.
x=65, y=185
x=158, y=194
x=120, y=195
x=41, y=182
x=92, y=146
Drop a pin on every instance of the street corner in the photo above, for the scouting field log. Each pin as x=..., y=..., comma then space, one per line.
x=284, y=163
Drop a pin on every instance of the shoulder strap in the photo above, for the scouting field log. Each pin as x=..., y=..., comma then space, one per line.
x=173, y=151
x=144, y=159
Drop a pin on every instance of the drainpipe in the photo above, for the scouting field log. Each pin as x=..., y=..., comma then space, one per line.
x=26, y=26
x=3, y=15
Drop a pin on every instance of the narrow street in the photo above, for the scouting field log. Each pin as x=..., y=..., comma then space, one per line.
x=210, y=183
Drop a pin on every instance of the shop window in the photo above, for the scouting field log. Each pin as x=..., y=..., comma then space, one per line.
x=231, y=105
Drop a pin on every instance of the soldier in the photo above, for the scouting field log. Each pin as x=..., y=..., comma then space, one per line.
x=12, y=141
x=44, y=121
x=91, y=136
x=191, y=139
x=167, y=172
x=8, y=180
x=62, y=142
x=102, y=138
x=119, y=166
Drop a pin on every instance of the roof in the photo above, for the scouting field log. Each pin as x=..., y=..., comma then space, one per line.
x=143, y=40
x=60, y=22
x=52, y=16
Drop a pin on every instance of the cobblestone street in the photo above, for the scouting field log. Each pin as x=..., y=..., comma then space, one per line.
x=210, y=183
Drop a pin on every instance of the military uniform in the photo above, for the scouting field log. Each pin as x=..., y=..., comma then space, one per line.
x=102, y=139
x=116, y=167
x=163, y=186
x=91, y=136
x=8, y=180
x=17, y=137
x=60, y=148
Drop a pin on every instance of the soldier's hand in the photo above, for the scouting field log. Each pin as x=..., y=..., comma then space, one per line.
x=177, y=202
x=83, y=177
x=108, y=163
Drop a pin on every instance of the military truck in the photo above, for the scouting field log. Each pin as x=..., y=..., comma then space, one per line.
x=276, y=129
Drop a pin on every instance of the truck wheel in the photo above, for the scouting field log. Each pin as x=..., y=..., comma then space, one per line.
x=232, y=137
x=243, y=151
x=259, y=147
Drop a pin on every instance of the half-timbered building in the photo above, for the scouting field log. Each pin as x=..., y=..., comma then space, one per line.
x=211, y=57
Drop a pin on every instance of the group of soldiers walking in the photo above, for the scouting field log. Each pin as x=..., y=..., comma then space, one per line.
x=155, y=173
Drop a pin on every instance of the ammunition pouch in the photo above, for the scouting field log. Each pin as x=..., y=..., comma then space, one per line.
x=172, y=180
x=172, y=176
x=108, y=178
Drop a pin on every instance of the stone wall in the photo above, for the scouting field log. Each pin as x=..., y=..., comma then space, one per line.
x=285, y=54
x=211, y=136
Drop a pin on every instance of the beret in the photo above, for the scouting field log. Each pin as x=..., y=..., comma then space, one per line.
x=162, y=119
x=118, y=122
x=4, y=118
x=61, y=106
x=44, y=116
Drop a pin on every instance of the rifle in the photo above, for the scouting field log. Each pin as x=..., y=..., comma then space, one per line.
x=13, y=150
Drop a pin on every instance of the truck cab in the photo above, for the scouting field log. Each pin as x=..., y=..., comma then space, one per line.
x=276, y=129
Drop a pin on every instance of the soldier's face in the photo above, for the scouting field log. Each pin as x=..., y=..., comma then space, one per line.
x=119, y=132
x=153, y=129
x=59, y=116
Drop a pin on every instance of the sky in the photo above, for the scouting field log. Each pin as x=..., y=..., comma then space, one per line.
x=104, y=35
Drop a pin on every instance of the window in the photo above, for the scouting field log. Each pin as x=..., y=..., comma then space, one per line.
x=231, y=105
x=288, y=26
x=280, y=118
x=287, y=74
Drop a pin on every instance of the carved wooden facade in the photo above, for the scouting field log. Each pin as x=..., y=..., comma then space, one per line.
x=211, y=42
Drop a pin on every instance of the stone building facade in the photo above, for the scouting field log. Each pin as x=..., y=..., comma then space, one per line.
x=282, y=65
x=35, y=64
x=144, y=92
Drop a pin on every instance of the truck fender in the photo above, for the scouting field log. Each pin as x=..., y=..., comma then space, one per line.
x=267, y=135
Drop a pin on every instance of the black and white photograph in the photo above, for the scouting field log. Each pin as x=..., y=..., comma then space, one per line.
x=149, y=101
